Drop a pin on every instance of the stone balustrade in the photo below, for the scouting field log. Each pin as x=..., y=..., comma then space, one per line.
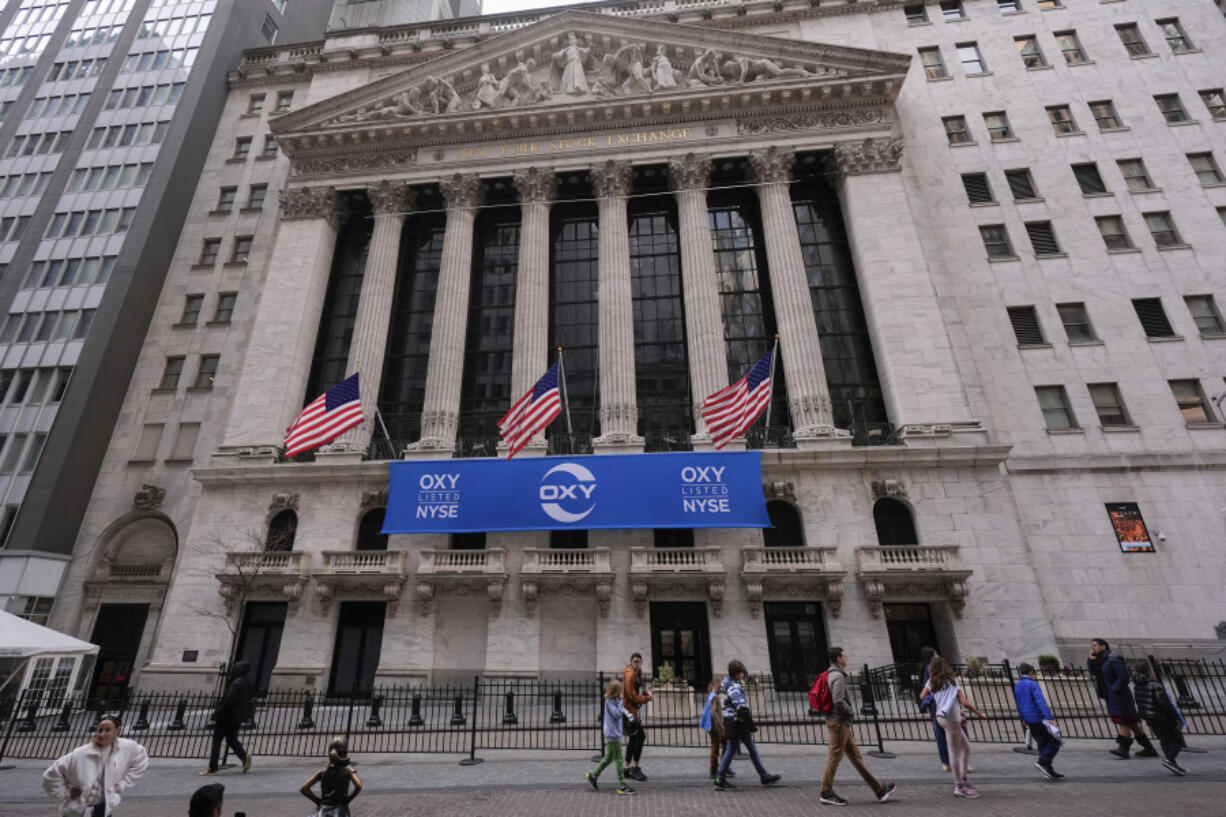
x=381, y=573
x=567, y=571
x=790, y=573
x=677, y=572
x=461, y=572
x=912, y=573
x=271, y=574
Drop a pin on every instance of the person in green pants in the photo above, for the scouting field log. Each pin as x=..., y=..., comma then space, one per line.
x=612, y=729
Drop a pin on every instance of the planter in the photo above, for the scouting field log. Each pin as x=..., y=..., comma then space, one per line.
x=673, y=704
x=759, y=701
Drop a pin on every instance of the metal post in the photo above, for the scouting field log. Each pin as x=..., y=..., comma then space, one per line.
x=62, y=724
x=142, y=721
x=31, y=715
x=457, y=712
x=558, y=715
x=353, y=693
x=472, y=759
x=374, y=721
x=880, y=750
x=415, y=718
x=599, y=756
x=180, y=711
x=308, y=711
x=509, y=718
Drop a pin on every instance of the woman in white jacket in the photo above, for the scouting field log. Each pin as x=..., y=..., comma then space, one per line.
x=89, y=780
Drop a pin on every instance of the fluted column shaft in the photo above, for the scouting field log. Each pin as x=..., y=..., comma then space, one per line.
x=444, y=374
x=704, y=325
x=618, y=407
x=390, y=202
x=808, y=393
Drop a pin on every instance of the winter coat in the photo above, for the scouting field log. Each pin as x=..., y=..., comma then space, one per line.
x=1111, y=681
x=632, y=689
x=840, y=693
x=612, y=723
x=1152, y=702
x=1031, y=706
x=126, y=760
x=235, y=706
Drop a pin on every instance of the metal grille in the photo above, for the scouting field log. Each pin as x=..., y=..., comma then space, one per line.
x=1021, y=184
x=1026, y=327
x=1153, y=317
x=1042, y=238
x=978, y=191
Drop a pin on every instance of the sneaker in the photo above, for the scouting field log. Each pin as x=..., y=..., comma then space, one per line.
x=1148, y=751
x=247, y=763
x=886, y=792
x=970, y=791
x=767, y=779
x=208, y=772
x=944, y=767
x=1046, y=771
x=721, y=784
x=636, y=774
x=1055, y=774
x=730, y=773
x=626, y=790
x=591, y=781
x=959, y=791
x=832, y=799
x=1174, y=767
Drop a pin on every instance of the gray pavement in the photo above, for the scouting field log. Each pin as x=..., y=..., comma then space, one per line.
x=510, y=783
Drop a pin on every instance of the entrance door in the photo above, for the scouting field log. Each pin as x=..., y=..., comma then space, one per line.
x=117, y=632
x=796, y=638
x=260, y=639
x=679, y=636
x=359, y=639
x=911, y=629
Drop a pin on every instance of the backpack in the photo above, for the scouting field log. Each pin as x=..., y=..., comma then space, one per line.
x=819, y=696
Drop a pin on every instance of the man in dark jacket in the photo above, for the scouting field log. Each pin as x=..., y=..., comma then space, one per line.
x=1155, y=706
x=234, y=709
x=1111, y=682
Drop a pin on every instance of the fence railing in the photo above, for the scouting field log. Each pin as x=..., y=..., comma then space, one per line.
x=492, y=713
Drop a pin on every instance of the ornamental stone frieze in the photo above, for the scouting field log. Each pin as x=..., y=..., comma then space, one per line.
x=912, y=573
x=835, y=120
x=345, y=163
x=390, y=198
x=535, y=184
x=869, y=156
x=689, y=172
x=774, y=573
x=308, y=202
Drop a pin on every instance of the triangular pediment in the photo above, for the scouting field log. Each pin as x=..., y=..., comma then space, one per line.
x=578, y=68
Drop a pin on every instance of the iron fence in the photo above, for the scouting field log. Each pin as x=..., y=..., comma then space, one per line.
x=491, y=713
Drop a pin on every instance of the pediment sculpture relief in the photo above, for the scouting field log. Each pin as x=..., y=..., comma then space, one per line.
x=579, y=71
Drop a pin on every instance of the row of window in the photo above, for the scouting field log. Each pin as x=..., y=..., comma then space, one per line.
x=22, y=452
x=255, y=198
x=10, y=77
x=33, y=44
x=57, y=105
x=110, y=6
x=20, y=185
x=38, y=144
x=242, y=148
x=110, y=177
x=76, y=69
x=143, y=96
x=255, y=104
x=66, y=272
x=111, y=221
x=42, y=327
x=33, y=387
x=173, y=26
x=1043, y=241
x=1077, y=326
x=917, y=13
x=95, y=35
x=238, y=255
x=206, y=371
x=12, y=228
x=157, y=60
x=1110, y=407
x=144, y=133
x=194, y=303
x=1133, y=171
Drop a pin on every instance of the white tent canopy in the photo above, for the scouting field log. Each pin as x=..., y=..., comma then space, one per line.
x=40, y=661
x=25, y=639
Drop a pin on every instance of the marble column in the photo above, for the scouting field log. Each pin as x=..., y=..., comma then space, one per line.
x=445, y=372
x=530, y=356
x=704, y=323
x=271, y=387
x=390, y=202
x=618, y=408
x=920, y=381
x=808, y=393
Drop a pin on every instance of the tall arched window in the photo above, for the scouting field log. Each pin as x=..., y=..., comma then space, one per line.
x=468, y=541
x=369, y=536
x=785, y=529
x=894, y=523
x=568, y=539
x=281, y=531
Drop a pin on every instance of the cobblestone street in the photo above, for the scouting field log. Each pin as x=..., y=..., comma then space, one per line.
x=540, y=783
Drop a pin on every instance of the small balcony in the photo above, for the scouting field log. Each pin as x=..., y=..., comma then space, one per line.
x=676, y=572
x=912, y=573
x=264, y=574
x=567, y=571
x=788, y=573
x=463, y=573
x=362, y=572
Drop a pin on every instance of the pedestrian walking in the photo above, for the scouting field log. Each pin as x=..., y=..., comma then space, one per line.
x=926, y=706
x=335, y=781
x=635, y=696
x=611, y=728
x=1036, y=715
x=1155, y=706
x=207, y=801
x=1111, y=683
x=738, y=728
x=712, y=722
x=951, y=706
x=840, y=737
x=234, y=709
x=89, y=780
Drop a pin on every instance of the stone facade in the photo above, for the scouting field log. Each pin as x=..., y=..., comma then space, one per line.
x=1016, y=555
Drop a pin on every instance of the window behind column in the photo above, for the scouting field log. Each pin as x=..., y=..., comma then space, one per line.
x=573, y=311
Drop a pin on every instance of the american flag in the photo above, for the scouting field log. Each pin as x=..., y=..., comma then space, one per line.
x=730, y=411
x=328, y=416
x=532, y=412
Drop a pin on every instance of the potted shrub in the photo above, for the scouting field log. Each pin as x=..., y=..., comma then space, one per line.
x=1049, y=663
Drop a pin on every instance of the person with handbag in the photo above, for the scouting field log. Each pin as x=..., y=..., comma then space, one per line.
x=612, y=726
x=88, y=781
x=712, y=722
x=634, y=696
x=738, y=727
x=334, y=781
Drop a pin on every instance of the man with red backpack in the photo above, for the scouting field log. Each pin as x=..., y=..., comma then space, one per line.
x=834, y=701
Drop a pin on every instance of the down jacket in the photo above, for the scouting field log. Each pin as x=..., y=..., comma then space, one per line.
x=82, y=768
x=1111, y=680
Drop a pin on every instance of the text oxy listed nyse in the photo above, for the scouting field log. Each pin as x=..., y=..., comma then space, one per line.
x=703, y=489
x=438, y=496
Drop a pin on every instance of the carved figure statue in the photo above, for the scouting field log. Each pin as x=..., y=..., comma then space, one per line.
x=572, y=58
x=662, y=71
x=518, y=87
x=632, y=75
x=705, y=70
x=747, y=69
x=441, y=97
x=487, y=88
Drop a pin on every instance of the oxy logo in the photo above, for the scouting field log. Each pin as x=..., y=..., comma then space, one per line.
x=438, y=496
x=703, y=489
x=575, y=489
x=438, y=482
x=703, y=473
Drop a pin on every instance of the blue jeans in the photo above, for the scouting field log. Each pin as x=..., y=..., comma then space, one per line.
x=734, y=743
x=942, y=746
x=1044, y=742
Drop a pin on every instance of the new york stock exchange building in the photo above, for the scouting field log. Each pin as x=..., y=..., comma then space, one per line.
x=977, y=439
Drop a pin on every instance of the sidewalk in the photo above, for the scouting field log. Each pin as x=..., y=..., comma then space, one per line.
x=508, y=784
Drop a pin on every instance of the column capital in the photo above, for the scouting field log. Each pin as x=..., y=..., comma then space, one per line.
x=390, y=198
x=309, y=202
x=773, y=165
x=535, y=185
x=883, y=155
x=461, y=191
x=689, y=172
x=612, y=179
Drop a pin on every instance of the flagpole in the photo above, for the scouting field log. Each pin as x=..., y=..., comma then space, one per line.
x=382, y=425
x=771, y=399
x=565, y=401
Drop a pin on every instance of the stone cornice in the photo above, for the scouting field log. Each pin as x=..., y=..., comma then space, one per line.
x=868, y=156
x=1157, y=461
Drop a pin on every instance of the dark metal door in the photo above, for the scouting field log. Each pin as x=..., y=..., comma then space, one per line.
x=259, y=642
x=679, y=636
x=359, y=640
x=796, y=638
x=911, y=629
x=117, y=632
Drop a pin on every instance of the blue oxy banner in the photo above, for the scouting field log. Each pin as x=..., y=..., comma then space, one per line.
x=675, y=490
